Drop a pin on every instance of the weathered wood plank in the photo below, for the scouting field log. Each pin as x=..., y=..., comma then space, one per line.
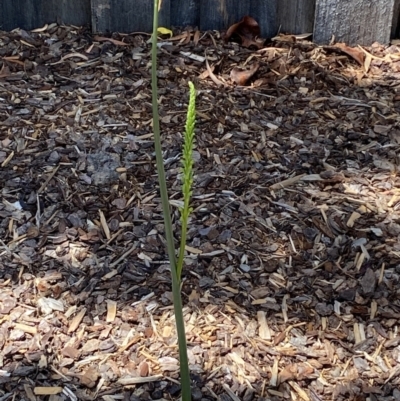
x=265, y=13
x=185, y=13
x=127, y=15
x=30, y=14
x=396, y=20
x=221, y=14
x=353, y=21
x=14, y=14
x=296, y=16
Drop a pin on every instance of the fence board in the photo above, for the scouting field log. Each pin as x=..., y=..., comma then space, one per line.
x=185, y=13
x=220, y=14
x=296, y=16
x=396, y=19
x=265, y=13
x=350, y=21
x=30, y=14
x=127, y=15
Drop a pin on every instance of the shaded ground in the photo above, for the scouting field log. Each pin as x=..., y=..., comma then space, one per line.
x=291, y=283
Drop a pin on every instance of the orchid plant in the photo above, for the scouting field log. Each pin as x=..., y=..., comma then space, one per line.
x=176, y=264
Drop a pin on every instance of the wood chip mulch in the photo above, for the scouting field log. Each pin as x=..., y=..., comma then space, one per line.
x=291, y=285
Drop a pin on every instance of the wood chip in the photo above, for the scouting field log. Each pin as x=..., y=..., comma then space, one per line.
x=47, y=390
x=76, y=321
x=111, y=311
x=263, y=330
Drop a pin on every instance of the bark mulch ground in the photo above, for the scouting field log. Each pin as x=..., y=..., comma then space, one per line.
x=291, y=285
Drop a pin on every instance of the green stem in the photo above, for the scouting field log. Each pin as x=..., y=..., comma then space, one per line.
x=183, y=240
x=180, y=323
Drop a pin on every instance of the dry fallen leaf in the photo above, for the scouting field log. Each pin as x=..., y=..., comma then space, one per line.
x=353, y=52
x=186, y=40
x=212, y=75
x=113, y=41
x=240, y=76
x=196, y=37
x=284, y=38
x=248, y=30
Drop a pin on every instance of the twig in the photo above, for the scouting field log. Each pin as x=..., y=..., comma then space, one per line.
x=124, y=256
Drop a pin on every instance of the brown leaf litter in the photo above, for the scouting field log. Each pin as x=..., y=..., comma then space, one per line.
x=292, y=269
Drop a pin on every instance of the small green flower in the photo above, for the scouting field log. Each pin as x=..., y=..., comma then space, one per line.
x=187, y=172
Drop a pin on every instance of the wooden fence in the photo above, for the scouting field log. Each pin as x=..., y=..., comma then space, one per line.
x=350, y=21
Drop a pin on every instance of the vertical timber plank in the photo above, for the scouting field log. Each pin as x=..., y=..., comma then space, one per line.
x=127, y=15
x=185, y=13
x=296, y=16
x=74, y=12
x=213, y=14
x=30, y=14
x=396, y=20
x=221, y=14
x=265, y=13
x=100, y=15
x=353, y=21
x=18, y=13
